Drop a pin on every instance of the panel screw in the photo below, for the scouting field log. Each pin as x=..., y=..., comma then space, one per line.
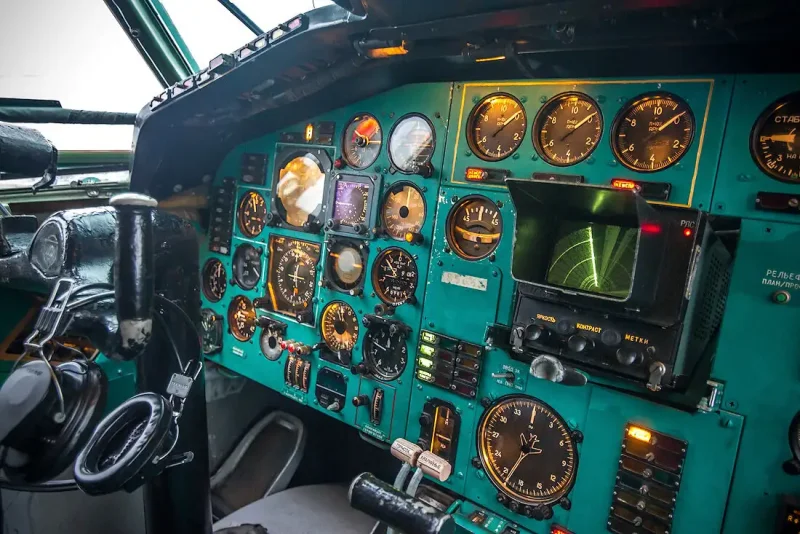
x=476, y=462
x=486, y=402
x=439, y=263
x=543, y=99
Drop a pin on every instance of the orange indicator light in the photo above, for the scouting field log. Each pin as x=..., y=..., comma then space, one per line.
x=619, y=183
x=476, y=174
x=309, y=132
x=640, y=433
x=687, y=232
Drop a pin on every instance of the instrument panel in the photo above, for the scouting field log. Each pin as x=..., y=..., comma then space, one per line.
x=401, y=229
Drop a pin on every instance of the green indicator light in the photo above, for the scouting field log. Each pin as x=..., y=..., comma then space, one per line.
x=430, y=338
x=426, y=350
x=425, y=362
x=424, y=375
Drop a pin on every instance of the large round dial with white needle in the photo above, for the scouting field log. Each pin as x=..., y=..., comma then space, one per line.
x=474, y=227
x=297, y=272
x=496, y=127
x=395, y=277
x=527, y=450
x=242, y=318
x=339, y=325
x=362, y=141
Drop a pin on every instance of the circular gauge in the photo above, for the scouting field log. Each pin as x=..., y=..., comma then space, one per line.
x=345, y=265
x=567, y=129
x=47, y=250
x=252, y=213
x=403, y=211
x=496, y=127
x=247, y=266
x=300, y=189
x=474, y=227
x=411, y=144
x=270, y=343
x=362, y=141
x=653, y=132
x=215, y=280
x=527, y=450
x=385, y=352
x=211, y=329
x=339, y=326
x=296, y=273
x=394, y=276
x=242, y=318
x=775, y=143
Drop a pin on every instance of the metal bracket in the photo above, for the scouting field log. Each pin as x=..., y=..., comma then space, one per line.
x=713, y=398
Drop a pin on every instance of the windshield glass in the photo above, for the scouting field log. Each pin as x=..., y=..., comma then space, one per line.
x=209, y=29
x=74, y=52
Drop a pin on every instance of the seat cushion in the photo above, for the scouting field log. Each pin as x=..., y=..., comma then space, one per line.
x=303, y=510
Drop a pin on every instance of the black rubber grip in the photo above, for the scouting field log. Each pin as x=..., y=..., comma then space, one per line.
x=403, y=512
x=134, y=263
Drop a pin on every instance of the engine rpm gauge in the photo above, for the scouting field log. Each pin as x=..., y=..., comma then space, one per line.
x=567, y=129
x=252, y=214
x=411, y=144
x=496, y=127
x=474, y=227
x=339, y=325
x=653, y=132
x=242, y=318
x=394, y=276
x=403, y=211
x=247, y=266
x=527, y=450
x=775, y=143
x=362, y=141
x=215, y=280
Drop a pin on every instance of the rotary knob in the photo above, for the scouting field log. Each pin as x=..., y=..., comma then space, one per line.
x=535, y=332
x=579, y=343
x=629, y=356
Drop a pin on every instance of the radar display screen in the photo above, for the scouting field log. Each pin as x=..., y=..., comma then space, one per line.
x=351, y=202
x=595, y=258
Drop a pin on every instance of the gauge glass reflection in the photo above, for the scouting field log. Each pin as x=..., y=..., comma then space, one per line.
x=301, y=186
x=411, y=144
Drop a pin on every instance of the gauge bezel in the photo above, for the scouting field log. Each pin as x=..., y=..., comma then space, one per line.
x=395, y=187
x=219, y=323
x=62, y=249
x=325, y=309
x=203, y=287
x=242, y=228
x=451, y=241
x=272, y=284
x=490, y=476
x=333, y=226
x=471, y=130
x=536, y=128
x=231, y=328
x=330, y=273
x=277, y=212
x=371, y=365
x=763, y=117
x=343, y=144
x=374, y=276
x=236, y=267
x=391, y=134
x=630, y=105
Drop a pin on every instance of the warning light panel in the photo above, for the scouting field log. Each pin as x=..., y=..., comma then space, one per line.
x=658, y=191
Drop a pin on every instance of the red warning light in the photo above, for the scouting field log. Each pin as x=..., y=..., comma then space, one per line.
x=619, y=183
x=476, y=174
x=651, y=228
x=555, y=529
x=687, y=232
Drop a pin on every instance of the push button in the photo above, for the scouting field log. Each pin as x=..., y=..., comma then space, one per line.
x=578, y=343
x=629, y=356
x=564, y=327
x=535, y=333
x=611, y=337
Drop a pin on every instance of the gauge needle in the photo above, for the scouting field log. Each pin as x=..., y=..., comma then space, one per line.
x=782, y=138
x=476, y=237
x=581, y=123
x=253, y=203
x=507, y=122
x=673, y=119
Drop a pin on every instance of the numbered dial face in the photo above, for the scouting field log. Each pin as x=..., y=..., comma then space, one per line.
x=211, y=329
x=394, y=276
x=385, y=353
x=242, y=318
x=403, y=211
x=252, y=214
x=567, y=129
x=362, y=141
x=775, y=142
x=345, y=265
x=247, y=266
x=351, y=202
x=300, y=189
x=411, y=144
x=527, y=450
x=496, y=127
x=215, y=280
x=292, y=275
x=339, y=326
x=653, y=132
x=474, y=227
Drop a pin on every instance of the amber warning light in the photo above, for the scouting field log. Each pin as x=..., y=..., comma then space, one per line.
x=477, y=174
x=648, y=190
x=309, y=132
x=640, y=433
x=619, y=183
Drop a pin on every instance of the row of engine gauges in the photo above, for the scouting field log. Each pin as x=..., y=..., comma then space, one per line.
x=412, y=141
x=651, y=133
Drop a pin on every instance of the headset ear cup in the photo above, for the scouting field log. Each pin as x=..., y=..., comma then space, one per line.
x=124, y=444
x=85, y=388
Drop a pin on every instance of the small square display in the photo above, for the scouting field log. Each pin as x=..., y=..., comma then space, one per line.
x=351, y=202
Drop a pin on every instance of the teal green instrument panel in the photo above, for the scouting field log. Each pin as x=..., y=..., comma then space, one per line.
x=731, y=475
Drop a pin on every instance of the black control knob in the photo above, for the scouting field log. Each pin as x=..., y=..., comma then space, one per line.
x=425, y=420
x=359, y=369
x=384, y=309
x=629, y=356
x=361, y=400
x=611, y=337
x=564, y=327
x=535, y=333
x=579, y=343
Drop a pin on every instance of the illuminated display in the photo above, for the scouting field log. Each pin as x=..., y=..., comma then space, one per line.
x=640, y=433
x=596, y=258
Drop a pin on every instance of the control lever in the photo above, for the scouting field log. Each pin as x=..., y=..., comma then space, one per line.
x=552, y=369
x=134, y=276
x=401, y=511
